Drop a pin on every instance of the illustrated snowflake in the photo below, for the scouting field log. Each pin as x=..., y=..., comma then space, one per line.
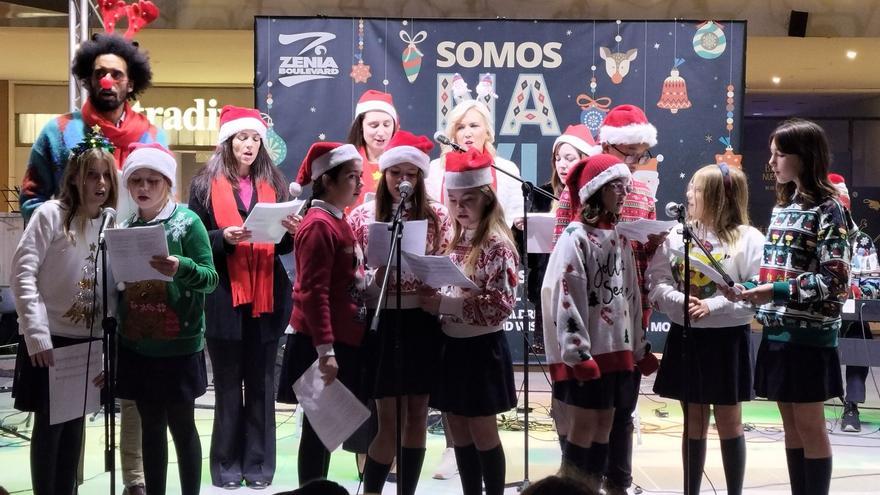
x=656, y=46
x=322, y=136
x=313, y=109
x=568, y=33
x=681, y=175
x=177, y=226
x=708, y=138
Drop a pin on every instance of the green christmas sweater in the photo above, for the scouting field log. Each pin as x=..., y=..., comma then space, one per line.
x=162, y=319
x=807, y=259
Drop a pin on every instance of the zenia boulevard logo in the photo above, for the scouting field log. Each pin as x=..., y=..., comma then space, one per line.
x=305, y=66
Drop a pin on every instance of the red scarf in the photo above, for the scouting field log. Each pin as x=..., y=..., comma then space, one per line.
x=250, y=265
x=132, y=129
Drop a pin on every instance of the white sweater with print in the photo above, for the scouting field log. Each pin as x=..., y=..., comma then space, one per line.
x=665, y=275
x=54, y=279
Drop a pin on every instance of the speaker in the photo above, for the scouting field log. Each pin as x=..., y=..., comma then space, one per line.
x=797, y=23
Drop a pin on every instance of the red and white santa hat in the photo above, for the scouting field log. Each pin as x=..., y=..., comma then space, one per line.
x=322, y=157
x=152, y=156
x=236, y=119
x=627, y=124
x=373, y=100
x=581, y=138
x=406, y=147
x=842, y=191
x=589, y=175
x=470, y=169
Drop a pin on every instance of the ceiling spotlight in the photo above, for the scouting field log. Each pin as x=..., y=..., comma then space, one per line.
x=851, y=54
x=776, y=79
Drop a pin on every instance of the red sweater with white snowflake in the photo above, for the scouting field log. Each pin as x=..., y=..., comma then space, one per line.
x=591, y=305
x=328, y=292
x=469, y=313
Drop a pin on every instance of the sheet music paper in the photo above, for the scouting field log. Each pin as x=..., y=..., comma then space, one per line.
x=264, y=220
x=540, y=229
x=333, y=411
x=70, y=382
x=130, y=250
x=437, y=271
x=415, y=237
x=640, y=229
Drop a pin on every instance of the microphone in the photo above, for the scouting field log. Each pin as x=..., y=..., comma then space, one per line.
x=108, y=216
x=675, y=210
x=442, y=139
x=405, y=188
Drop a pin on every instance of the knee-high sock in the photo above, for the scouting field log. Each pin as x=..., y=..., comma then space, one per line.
x=411, y=467
x=695, y=461
x=733, y=457
x=796, y=476
x=597, y=459
x=817, y=475
x=575, y=456
x=375, y=475
x=563, y=439
x=469, y=470
x=493, y=465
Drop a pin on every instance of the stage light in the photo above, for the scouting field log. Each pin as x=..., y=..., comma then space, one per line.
x=776, y=79
x=851, y=54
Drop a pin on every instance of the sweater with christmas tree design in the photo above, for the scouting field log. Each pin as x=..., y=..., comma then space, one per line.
x=807, y=259
x=162, y=319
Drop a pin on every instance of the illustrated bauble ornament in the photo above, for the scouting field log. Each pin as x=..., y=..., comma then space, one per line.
x=728, y=157
x=593, y=111
x=411, y=56
x=709, y=40
x=674, y=95
x=275, y=145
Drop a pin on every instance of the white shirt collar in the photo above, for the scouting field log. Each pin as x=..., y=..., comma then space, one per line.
x=329, y=208
x=163, y=215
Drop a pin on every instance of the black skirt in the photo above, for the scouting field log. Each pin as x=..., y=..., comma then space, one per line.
x=787, y=372
x=719, y=368
x=30, y=384
x=160, y=379
x=475, y=377
x=420, y=343
x=300, y=353
x=607, y=391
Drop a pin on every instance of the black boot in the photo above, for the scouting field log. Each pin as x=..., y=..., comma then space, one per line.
x=733, y=457
x=796, y=476
x=411, y=463
x=469, y=470
x=375, y=475
x=493, y=465
x=695, y=461
x=817, y=476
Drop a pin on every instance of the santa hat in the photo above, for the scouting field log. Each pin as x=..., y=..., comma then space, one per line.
x=589, y=175
x=322, y=157
x=405, y=147
x=151, y=156
x=470, y=169
x=236, y=119
x=373, y=100
x=581, y=138
x=842, y=192
x=627, y=124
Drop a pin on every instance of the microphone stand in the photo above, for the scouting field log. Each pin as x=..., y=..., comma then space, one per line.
x=396, y=229
x=108, y=324
x=528, y=189
x=688, y=238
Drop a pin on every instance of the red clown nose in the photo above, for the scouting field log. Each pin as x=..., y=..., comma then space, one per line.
x=107, y=81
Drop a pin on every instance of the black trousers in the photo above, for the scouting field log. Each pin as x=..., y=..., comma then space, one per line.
x=856, y=375
x=55, y=451
x=243, y=439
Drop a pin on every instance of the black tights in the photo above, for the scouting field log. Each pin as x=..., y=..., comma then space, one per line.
x=55, y=453
x=156, y=419
x=313, y=461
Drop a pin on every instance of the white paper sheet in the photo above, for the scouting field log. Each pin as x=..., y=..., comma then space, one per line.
x=70, y=382
x=415, y=237
x=541, y=232
x=333, y=411
x=849, y=306
x=130, y=250
x=436, y=271
x=640, y=229
x=264, y=220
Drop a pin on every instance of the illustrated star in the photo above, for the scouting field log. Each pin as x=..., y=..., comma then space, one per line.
x=681, y=175
x=313, y=109
x=96, y=128
x=568, y=33
x=360, y=72
x=656, y=46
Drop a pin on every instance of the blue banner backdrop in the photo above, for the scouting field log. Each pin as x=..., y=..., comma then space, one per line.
x=547, y=74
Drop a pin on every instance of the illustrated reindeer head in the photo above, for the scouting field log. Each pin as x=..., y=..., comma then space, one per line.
x=139, y=14
x=617, y=64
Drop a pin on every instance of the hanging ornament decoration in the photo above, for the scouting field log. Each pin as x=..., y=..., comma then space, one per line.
x=275, y=145
x=673, y=96
x=360, y=72
x=728, y=157
x=709, y=40
x=730, y=108
x=593, y=109
x=411, y=56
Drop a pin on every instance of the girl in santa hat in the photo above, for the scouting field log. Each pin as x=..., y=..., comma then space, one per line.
x=328, y=311
x=476, y=371
x=375, y=123
x=161, y=363
x=249, y=311
x=592, y=315
x=715, y=365
x=405, y=159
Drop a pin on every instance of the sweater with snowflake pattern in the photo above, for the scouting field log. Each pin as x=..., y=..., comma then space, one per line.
x=591, y=305
x=807, y=259
x=469, y=313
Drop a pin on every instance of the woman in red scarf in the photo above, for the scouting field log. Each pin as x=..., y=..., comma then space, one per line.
x=248, y=312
